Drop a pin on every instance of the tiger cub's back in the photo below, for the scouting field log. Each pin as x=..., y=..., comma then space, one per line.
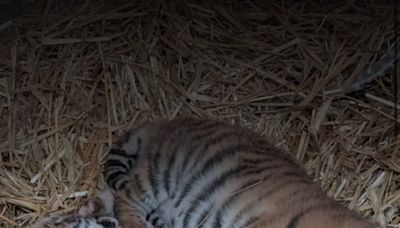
x=192, y=173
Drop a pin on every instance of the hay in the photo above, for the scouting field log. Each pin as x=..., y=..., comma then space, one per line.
x=74, y=76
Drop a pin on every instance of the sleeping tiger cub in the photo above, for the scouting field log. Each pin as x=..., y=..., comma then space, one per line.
x=189, y=173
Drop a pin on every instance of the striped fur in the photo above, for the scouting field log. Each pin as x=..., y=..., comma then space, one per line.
x=197, y=173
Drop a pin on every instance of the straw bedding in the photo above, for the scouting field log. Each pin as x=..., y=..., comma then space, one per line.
x=76, y=74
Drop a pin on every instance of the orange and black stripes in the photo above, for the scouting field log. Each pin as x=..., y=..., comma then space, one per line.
x=189, y=173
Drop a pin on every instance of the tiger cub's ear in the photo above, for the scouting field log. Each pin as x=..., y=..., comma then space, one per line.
x=101, y=205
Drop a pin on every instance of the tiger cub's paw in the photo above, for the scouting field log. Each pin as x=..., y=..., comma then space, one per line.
x=90, y=207
x=108, y=222
x=101, y=205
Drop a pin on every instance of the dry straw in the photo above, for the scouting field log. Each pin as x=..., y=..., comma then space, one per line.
x=76, y=74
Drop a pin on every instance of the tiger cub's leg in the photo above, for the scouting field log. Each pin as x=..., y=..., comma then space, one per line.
x=124, y=157
x=128, y=214
x=132, y=211
x=125, y=161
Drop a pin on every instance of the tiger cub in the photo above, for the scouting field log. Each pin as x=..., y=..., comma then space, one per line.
x=97, y=212
x=201, y=173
